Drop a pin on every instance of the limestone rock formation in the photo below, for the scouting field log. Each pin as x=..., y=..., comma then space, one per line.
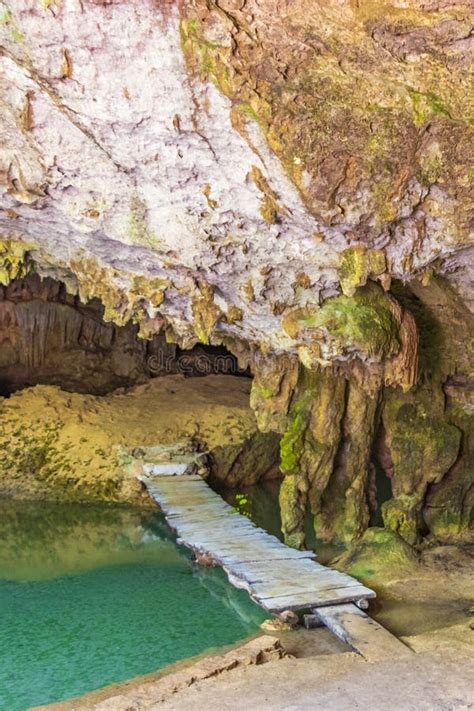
x=75, y=447
x=293, y=180
x=47, y=336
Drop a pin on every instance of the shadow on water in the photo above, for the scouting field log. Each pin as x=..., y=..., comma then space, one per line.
x=91, y=595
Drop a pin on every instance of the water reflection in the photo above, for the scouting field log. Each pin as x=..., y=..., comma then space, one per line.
x=261, y=505
x=43, y=541
x=91, y=595
x=40, y=541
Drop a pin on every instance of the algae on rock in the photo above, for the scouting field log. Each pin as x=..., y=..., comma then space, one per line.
x=74, y=447
x=423, y=446
x=345, y=513
x=308, y=447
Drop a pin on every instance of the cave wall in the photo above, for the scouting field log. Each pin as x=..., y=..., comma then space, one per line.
x=48, y=336
x=305, y=203
x=340, y=423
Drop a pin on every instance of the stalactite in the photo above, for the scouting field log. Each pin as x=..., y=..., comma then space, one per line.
x=345, y=511
x=308, y=447
x=45, y=327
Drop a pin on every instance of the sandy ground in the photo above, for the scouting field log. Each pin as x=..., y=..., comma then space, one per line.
x=79, y=446
x=336, y=683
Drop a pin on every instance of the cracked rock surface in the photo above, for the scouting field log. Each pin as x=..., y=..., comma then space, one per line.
x=200, y=145
x=292, y=179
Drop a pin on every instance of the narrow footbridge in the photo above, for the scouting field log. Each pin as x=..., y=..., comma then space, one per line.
x=277, y=577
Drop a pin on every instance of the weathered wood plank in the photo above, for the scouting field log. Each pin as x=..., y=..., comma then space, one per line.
x=294, y=600
x=361, y=632
x=276, y=576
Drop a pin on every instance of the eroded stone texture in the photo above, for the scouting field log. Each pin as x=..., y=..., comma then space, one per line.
x=198, y=174
x=59, y=445
x=423, y=447
x=267, y=176
x=48, y=336
x=308, y=448
x=345, y=512
x=449, y=506
x=444, y=408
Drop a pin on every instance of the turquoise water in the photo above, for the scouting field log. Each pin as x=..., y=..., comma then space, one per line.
x=95, y=595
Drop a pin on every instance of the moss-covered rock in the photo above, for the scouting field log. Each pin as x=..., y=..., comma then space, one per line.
x=15, y=261
x=380, y=554
x=344, y=111
x=345, y=505
x=73, y=447
x=449, y=505
x=272, y=389
x=364, y=324
x=308, y=447
x=206, y=313
x=246, y=463
x=357, y=264
x=423, y=446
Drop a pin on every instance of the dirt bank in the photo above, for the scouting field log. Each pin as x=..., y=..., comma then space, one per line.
x=70, y=446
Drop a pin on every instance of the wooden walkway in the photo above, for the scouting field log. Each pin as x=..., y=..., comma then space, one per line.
x=277, y=577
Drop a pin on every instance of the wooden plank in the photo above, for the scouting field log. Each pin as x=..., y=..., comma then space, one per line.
x=304, y=601
x=361, y=632
x=276, y=576
x=170, y=469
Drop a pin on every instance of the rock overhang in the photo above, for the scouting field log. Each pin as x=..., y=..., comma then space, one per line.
x=160, y=159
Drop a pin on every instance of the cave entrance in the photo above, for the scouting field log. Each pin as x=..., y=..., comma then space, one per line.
x=48, y=337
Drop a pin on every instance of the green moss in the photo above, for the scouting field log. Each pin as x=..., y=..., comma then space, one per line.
x=138, y=231
x=293, y=441
x=353, y=269
x=449, y=507
x=423, y=447
x=432, y=168
x=293, y=510
x=426, y=105
x=247, y=109
x=378, y=555
x=151, y=288
x=6, y=17
x=420, y=441
x=363, y=322
x=262, y=391
x=402, y=515
x=206, y=313
x=308, y=446
x=15, y=262
x=8, y=20
x=208, y=58
x=357, y=264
